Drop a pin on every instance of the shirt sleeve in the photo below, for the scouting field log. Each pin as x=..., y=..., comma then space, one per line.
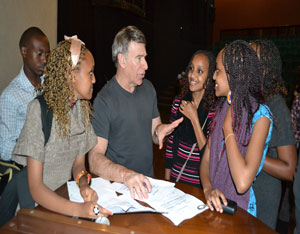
x=102, y=117
x=155, y=108
x=31, y=139
x=283, y=133
x=8, y=126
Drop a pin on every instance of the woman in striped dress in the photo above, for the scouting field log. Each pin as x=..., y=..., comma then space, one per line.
x=186, y=145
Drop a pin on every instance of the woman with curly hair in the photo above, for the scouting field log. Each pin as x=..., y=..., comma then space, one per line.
x=68, y=85
x=186, y=145
x=281, y=160
x=241, y=130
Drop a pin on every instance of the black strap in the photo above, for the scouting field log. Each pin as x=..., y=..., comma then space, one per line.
x=46, y=116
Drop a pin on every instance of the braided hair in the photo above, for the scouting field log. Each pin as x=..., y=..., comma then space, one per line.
x=56, y=89
x=269, y=56
x=244, y=72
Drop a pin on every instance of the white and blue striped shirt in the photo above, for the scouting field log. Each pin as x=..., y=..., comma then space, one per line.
x=13, y=106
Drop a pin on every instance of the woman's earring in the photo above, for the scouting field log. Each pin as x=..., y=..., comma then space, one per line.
x=229, y=98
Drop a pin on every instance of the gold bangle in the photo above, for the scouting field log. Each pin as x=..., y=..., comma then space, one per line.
x=226, y=138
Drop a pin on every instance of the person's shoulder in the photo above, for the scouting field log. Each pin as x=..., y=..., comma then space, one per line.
x=276, y=102
x=263, y=111
x=34, y=105
x=106, y=90
x=278, y=106
x=106, y=95
x=11, y=90
x=147, y=84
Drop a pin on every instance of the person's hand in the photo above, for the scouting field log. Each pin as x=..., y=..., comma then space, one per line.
x=214, y=196
x=227, y=124
x=164, y=130
x=139, y=183
x=189, y=110
x=88, y=194
x=92, y=210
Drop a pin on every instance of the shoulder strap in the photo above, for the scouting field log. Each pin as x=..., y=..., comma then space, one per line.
x=46, y=116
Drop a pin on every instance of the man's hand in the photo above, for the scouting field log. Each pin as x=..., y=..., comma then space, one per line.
x=164, y=130
x=137, y=182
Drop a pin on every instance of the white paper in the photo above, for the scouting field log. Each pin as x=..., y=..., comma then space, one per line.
x=107, y=197
x=164, y=198
x=175, y=204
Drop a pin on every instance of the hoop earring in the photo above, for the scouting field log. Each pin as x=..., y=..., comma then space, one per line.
x=229, y=98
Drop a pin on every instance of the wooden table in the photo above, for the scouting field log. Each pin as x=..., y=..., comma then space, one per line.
x=206, y=222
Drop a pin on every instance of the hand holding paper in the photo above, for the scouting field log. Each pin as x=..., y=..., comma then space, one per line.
x=137, y=183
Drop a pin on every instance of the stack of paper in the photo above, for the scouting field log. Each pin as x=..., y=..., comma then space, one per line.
x=164, y=198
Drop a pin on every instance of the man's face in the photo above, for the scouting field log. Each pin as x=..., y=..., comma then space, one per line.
x=35, y=55
x=135, y=63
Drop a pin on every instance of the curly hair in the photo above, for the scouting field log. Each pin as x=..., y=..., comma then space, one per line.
x=269, y=56
x=209, y=97
x=244, y=74
x=57, y=91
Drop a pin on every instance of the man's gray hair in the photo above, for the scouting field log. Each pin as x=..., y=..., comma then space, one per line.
x=122, y=40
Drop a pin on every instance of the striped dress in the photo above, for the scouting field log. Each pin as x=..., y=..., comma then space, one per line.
x=180, y=144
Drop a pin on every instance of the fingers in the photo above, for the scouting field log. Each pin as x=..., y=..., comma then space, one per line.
x=148, y=185
x=223, y=199
x=88, y=194
x=177, y=122
x=105, y=212
x=138, y=183
x=98, y=210
x=160, y=143
x=132, y=192
x=214, y=202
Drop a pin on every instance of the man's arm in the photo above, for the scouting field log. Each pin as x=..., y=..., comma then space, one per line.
x=8, y=127
x=160, y=131
x=100, y=165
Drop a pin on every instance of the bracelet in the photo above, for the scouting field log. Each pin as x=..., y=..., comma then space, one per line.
x=81, y=174
x=226, y=138
x=124, y=175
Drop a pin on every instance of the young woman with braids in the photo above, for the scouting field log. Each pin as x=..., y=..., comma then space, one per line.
x=281, y=160
x=191, y=135
x=241, y=130
x=68, y=85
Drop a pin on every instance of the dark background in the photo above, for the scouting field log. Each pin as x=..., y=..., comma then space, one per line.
x=173, y=30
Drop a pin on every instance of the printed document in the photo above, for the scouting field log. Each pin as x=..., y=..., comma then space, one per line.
x=164, y=198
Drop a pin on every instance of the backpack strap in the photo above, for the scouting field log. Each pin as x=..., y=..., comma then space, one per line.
x=46, y=117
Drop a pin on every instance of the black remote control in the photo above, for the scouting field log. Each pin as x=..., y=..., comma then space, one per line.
x=230, y=208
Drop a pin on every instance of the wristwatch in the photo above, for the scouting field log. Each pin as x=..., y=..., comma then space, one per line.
x=155, y=132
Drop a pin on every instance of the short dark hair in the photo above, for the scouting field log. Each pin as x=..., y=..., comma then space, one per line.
x=122, y=40
x=28, y=34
